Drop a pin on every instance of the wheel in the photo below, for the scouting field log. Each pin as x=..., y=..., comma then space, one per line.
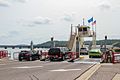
x=42, y=58
x=51, y=59
x=30, y=58
x=20, y=59
x=90, y=56
x=63, y=58
x=38, y=57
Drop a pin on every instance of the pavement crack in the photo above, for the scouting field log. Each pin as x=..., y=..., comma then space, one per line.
x=30, y=78
x=36, y=77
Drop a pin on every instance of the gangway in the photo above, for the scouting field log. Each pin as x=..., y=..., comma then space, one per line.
x=72, y=41
x=77, y=37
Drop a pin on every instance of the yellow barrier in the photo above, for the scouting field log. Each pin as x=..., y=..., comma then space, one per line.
x=81, y=57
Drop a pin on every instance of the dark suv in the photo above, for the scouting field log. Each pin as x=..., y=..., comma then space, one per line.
x=28, y=55
x=57, y=53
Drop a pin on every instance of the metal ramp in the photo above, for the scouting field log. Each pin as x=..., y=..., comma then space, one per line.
x=72, y=42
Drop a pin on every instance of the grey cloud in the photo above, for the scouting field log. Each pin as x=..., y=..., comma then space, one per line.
x=13, y=33
x=41, y=20
x=22, y=1
x=7, y=3
x=4, y=3
x=10, y=36
x=35, y=21
x=104, y=7
x=69, y=17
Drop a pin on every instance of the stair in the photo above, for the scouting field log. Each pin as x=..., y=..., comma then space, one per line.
x=71, y=41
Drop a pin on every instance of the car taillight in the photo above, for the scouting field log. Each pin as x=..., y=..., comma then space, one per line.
x=27, y=54
x=56, y=56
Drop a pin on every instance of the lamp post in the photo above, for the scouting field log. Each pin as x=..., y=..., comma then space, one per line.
x=53, y=43
x=105, y=42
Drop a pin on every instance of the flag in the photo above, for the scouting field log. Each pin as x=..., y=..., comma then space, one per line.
x=94, y=22
x=90, y=20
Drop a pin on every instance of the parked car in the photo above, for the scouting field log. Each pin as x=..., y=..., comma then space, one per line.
x=83, y=51
x=117, y=50
x=28, y=55
x=57, y=53
x=104, y=49
x=115, y=55
x=95, y=53
x=106, y=56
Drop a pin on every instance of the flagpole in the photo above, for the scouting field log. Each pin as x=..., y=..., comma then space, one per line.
x=92, y=25
x=95, y=34
x=92, y=28
x=95, y=27
x=83, y=21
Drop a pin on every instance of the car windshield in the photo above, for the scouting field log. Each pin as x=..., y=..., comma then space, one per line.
x=54, y=50
x=83, y=49
x=25, y=52
x=94, y=51
x=103, y=49
x=117, y=50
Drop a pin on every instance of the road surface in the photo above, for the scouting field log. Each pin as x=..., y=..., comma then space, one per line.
x=42, y=70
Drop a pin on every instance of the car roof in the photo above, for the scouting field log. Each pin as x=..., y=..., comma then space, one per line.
x=83, y=48
x=116, y=48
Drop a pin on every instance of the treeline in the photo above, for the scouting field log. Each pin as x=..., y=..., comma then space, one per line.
x=99, y=42
x=48, y=44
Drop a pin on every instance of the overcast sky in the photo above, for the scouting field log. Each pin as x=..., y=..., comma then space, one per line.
x=24, y=20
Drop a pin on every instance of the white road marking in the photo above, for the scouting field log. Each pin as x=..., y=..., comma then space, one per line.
x=63, y=70
x=2, y=64
x=87, y=62
x=24, y=67
x=107, y=64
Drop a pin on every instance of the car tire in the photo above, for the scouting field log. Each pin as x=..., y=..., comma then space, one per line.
x=51, y=59
x=20, y=59
x=63, y=58
x=30, y=58
x=90, y=56
x=41, y=58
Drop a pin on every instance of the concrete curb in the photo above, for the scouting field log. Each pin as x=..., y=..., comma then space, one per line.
x=89, y=72
x=116, y=77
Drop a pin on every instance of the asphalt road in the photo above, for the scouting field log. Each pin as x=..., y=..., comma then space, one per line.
x=40, y=70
